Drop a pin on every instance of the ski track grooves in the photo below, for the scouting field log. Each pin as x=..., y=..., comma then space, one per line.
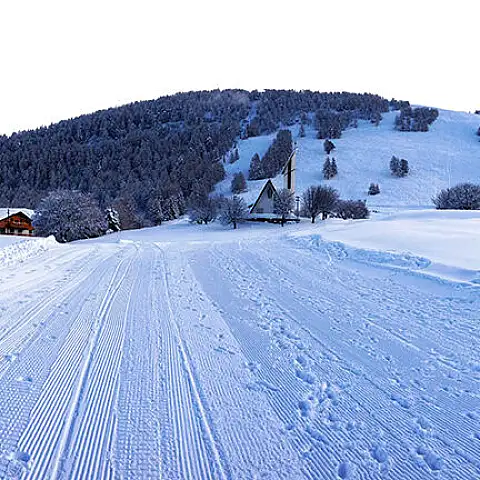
x=24, y=380
x=89, y=417
x=199, y=454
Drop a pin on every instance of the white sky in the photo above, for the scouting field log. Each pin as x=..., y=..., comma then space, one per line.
x=62, y=58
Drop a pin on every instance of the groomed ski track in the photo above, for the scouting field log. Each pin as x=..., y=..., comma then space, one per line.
x=262, y=358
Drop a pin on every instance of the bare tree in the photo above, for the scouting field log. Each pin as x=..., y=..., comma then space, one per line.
x=326, y=198
x=233, y=210
x=204, y=209
x=283, y=204
x=311, y=207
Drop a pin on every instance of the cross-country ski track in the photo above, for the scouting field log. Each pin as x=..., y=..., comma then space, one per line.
x=269, y=357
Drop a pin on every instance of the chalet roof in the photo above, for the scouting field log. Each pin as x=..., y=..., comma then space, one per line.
x=256, y=187
x=5, y=211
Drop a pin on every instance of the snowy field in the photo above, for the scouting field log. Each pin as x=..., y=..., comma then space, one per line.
x=340, y=350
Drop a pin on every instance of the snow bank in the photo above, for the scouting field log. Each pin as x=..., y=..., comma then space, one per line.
x=445, y=244
x=16, y=249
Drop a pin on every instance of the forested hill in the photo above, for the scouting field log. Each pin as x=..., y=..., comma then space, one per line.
x=145, y=158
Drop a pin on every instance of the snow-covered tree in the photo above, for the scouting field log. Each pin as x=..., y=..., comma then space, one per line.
x=352, y=209
x=328, y=146
x=283, y=204
x=233, y=210
x=404, y=168
x=155, y=208
x=465, y=196
x=333, y=168
x=234, y=156
x=327, y=169
x=239, y=183
x=113, y=220
x=256, y=169
x=395, y=166
x=68, y=216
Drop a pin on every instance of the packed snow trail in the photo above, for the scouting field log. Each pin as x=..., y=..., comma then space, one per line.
x=270, y=357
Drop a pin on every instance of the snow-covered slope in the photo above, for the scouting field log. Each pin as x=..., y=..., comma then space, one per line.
x=446, y=155
x=199, y=352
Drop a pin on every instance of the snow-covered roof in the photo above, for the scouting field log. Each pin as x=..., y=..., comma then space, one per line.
x=255, y=187
x=4, y=212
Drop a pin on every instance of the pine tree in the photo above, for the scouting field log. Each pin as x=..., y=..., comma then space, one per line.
x=327, y=169
x=395, y=166
x=256, y=171
x=239, y=183
x=113, y=220
x=404, y=168
x=333, y=168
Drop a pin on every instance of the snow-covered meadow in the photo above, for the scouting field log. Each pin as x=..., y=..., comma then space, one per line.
x=343, y=349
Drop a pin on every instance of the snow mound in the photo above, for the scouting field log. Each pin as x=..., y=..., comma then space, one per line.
x=22, y=250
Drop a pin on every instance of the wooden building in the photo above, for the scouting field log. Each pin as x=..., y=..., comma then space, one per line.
x=16, y=222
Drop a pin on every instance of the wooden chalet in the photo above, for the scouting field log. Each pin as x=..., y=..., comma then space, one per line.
x=262, y=208
x=16, y=222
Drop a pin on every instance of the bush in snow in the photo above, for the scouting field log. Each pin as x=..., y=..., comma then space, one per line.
x=399, y=168
x=373, y=189
x=69, y=215
x=465, y=196
x=283, y=204
x=328, y=146
x=239, y=184
x=113, y=220
x=317, y=200
x=232, y=211
x=352, y=209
